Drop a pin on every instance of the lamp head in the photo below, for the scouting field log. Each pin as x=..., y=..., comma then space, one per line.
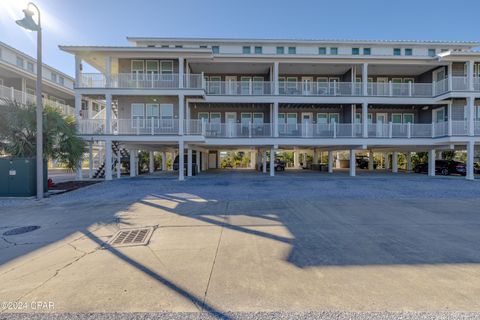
x=27, y=22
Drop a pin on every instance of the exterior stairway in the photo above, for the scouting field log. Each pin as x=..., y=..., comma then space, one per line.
x=124, y=158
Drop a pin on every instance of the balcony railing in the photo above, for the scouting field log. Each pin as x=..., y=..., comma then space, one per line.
x=248, y=88
x=9, y=93
x=155, y=126
x=140, y=81
x=391, y=89
x=292, y=88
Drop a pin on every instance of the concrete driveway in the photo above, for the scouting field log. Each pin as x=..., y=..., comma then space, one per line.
x=244, y=242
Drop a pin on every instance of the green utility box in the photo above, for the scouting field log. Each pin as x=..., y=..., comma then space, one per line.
x=18, y=177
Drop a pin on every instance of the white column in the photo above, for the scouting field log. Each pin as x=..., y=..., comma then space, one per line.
x=272, y=162
x=330, y=161
x=275, y=78
x=409, y=161
x=181, y=161
x=108, y=113
x=449, y=112
x=253, y=159
x=132, y=163
x=387, y=161
x=218, y=159
x=470, y=164
x=108, y=71
x=353, y=163
x=181, y=113
x=89, y=108
x=78, y=70
x=180, y=71
x=370, y=160
x=365, y=79
x=264, y=161
x=315, y=156
x=365, y=120
x=189, y=161
x=78, y=106
x=198, y=157
x=296, y=163
x=431, y=162
x=151, y=162
x=164, y=161
x=90, y=160
x=275, y=119
x=108, y=160
x=470, y=75
x=119, y=164
x=471, y=115
x=395, y=162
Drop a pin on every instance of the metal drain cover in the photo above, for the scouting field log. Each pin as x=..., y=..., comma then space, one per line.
x=20, y=230
x=131, y=237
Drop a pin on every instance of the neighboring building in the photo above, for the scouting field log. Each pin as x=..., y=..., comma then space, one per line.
x=18, y=77
x=262, y=96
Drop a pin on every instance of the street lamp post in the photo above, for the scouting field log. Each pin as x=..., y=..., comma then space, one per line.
x=28, y=23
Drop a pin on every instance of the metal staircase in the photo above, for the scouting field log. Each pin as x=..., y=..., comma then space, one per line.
x=124, y=158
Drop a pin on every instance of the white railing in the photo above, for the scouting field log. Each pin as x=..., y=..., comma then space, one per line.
x=258, y=88
x=334, y=88
x=391, y=89
x=440, y=87
x=459, y=83
x=18, y=96
x=440, y=129
x=236, y=130
x=459, y=128
x=145, y=126
x=477, y=128
x=193, y=127
x=91, y=126
x=476, y=83
x=140, y=81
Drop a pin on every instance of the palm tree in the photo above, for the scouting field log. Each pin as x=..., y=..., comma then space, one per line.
x=18, y=131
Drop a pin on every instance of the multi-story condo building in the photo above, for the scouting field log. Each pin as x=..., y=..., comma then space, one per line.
x=263, y=96
x=18, y=76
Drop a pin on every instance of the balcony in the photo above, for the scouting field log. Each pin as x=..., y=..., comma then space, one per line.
x=292, y=88
x=140, y=81
x=239, y=88
x=18, y=96
x=155, y=127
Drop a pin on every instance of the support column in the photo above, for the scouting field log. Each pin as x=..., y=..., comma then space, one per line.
x=78, y=107
x=330, y=161
x=90, y=160
x=365, y=120
x=272, y=162
x=108, y=160
x=89, y=109
x=470, y=65
x=108, y=113
x=315, y=156
x=253, y=159
x=353, y=163
x=387, y=161
x=180, y=71
x=395, y=162
x=471, y=115
x=218, y=159
x=470, y=164
x=151, y=162
x=296, y=163
x=264, y=161
x=181, y=161
x=275, y=78
x=409, y=161
x=119, y=164
x=108, y=71
x=181, y=113
x=370, y=160
x=431, y=163
x=449, y=119
x=275, y=119
x=164, y=161
x=78, y=70
x=365, y=79
x=198, y=161
x=132, y=163
x=189, y=161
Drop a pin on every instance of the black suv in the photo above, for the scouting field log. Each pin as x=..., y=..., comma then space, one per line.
x=279, y=165
x=444, y=167
x=362, y=163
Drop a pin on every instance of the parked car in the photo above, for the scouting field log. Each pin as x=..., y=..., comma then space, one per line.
x=185, y=163
x=362, y=163
x=476, y=168
x=443, y=167
x=279, y=165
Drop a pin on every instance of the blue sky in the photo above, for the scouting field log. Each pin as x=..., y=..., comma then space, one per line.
x=108, y=22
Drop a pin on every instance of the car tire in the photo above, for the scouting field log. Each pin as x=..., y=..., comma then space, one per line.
x=444, y=172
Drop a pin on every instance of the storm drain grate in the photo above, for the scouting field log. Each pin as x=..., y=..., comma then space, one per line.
x=131, y=237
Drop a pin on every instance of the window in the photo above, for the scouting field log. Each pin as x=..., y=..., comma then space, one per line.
x=245, y=85
x=30, y=66
x=215, y=49
x=151, y=68
x=333, y=117
x=203, y=47
x=333, y=51
x=432, y=52
x=137, y=66
x=203, y=116
x=246, y=50
x=151, y=46
x=166, y=114
x=355, y=51
x=178, y=46
x=152, y=115
x=61, y=80
x=292, y=50
x=258, y=50
x=20, y=62
x=396, y=117
x=322, y=118
x=367, y=51
x=215, y=117
x=166, y=67
x=322, y=51
x=397, y=52
x=215, y=85
x=408, y=52
x=280, y=50
x=257, y=117
x=443, y=50
x=408, y=118
x=53, y=77
x=245, y=120
x=138, y=113
x=165, y=46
